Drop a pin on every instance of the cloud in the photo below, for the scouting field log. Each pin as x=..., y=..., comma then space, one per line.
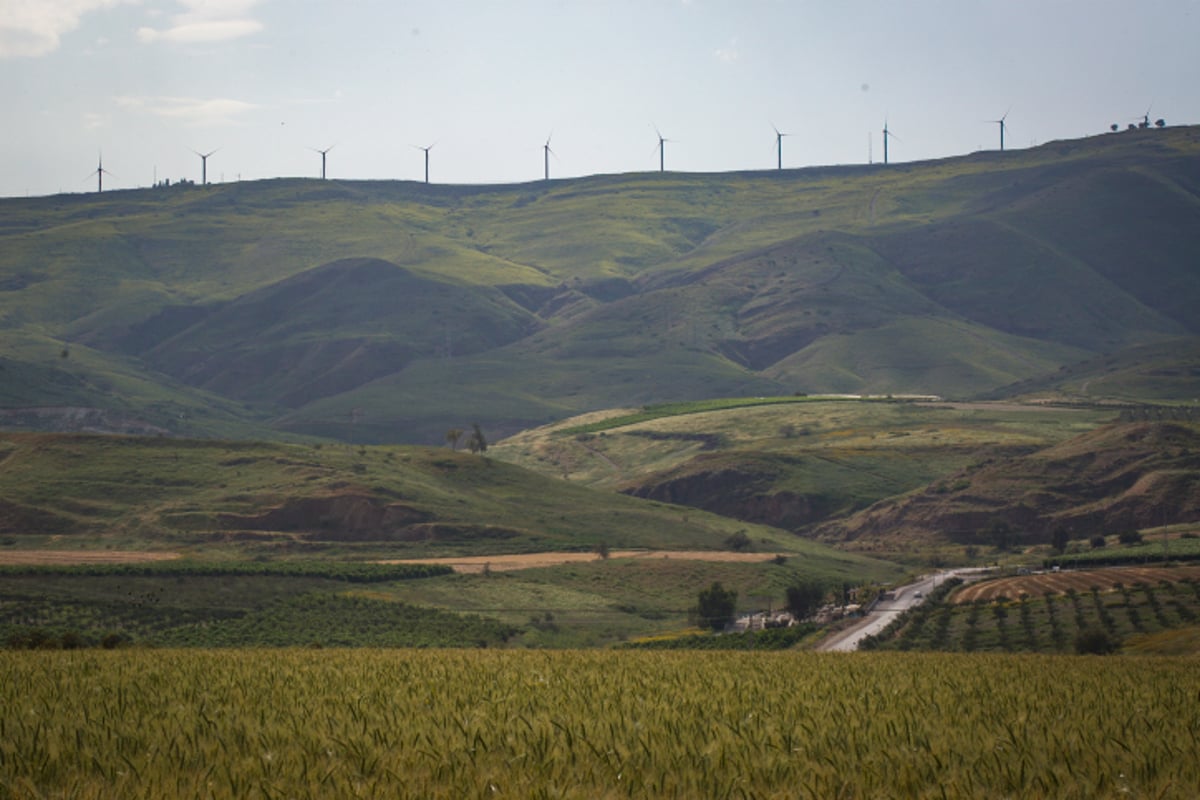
x=190, y=110
x=729, y=53
x=206, y=21
x=32, y=28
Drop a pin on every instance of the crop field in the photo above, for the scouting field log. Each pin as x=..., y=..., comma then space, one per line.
x=1125, y=608
x=1061, y=582
x=462, y=724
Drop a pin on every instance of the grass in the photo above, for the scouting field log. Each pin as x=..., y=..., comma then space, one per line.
x=593, y=724
x=604, y=291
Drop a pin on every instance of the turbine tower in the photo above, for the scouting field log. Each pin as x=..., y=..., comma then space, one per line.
x=547, y=152
x=1001, y=122
x=99, y=172
x=323, y=153
x=886, y=134
x=779, y=147
x=661, y=150
x=427, y=149
x=204, y=165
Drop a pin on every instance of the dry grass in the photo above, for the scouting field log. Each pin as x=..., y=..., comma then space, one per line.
x=516, y=561
x=61, y=558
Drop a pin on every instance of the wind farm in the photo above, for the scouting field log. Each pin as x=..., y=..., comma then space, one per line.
x=888, y=135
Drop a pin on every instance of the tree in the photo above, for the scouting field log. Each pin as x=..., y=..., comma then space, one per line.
x=716, y=606
x=804, y=598
x=1059, y=538
x=452, y=437
x=738, y=541
x=1097, y=542
x=477, y=443
x=999, y=533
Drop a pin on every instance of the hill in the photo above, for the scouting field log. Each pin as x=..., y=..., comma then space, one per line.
x=1117, y=478
x=390, y=311
x=791, y=462
x=206, y=542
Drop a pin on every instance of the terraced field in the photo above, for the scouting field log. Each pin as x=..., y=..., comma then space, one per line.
x=1045, y=583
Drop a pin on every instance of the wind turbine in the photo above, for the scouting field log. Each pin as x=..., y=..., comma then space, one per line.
x=886, y=134
x=204, y=166
x=427, y=149
x=661, y=149
x=547, y=152
x=1002, y=124
x=779, y=146
x=323, y=153
x=99, y=172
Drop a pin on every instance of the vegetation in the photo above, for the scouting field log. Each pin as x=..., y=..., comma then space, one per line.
x=716, y=606
x=299, y=723
x=1093, y=620
x=387, y=311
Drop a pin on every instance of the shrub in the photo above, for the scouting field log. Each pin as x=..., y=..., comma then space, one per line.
x=1095, y=641
x=1129, y=537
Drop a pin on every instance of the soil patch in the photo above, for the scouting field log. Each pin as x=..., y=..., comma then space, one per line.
x=515, y=561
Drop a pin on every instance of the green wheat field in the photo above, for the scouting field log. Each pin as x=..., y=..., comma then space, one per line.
x=593, y=724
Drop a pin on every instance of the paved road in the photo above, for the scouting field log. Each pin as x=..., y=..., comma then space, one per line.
x=900, y=599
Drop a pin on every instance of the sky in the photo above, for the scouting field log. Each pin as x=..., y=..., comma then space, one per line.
x=147, y=84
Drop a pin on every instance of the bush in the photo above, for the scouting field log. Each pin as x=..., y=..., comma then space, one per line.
x=1095, y=641
x=738, y=541
x=1097, y=542
x=1129, y=537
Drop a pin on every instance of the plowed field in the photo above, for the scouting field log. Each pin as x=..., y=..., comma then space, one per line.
x=1079, y=580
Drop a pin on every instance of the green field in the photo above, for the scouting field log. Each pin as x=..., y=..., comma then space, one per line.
x=1134, y=615
x=453, y=724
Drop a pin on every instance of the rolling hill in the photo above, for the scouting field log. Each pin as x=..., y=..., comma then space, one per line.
x=391, y=311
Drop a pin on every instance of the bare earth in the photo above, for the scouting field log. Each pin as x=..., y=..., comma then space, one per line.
x=67, y=557
x=504, y=563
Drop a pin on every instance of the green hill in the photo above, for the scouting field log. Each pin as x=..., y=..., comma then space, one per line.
x=391, y=311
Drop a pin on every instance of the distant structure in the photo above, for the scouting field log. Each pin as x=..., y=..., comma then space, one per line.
x=204, y=166
x=1001, y=123
x=430, y=147
x=886, y=134
x=100, y=172
x=661, y=150
x=546, y=153
x=779, y=147
x=323, y=153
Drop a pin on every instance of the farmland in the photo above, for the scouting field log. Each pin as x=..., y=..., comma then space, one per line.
x=369, y=723
x=1054, y=613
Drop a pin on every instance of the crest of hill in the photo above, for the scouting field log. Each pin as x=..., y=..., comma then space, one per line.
x=1119, y=477
x=389, y=311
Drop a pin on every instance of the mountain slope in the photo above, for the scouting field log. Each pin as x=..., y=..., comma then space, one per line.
x=1117, y=478
x=395, y=310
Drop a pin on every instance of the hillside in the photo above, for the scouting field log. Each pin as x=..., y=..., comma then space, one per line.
x=286, y=500
x=790, y=462
x=1117, y=478
x=391, y=311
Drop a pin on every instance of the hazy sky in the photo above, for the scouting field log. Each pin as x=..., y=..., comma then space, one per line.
x=147, y=82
